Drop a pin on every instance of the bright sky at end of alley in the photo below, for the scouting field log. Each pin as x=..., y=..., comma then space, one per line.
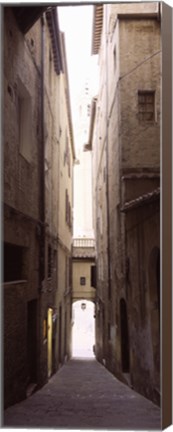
x=76, y=22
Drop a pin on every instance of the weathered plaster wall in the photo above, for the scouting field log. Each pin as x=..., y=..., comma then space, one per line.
x=82, y=268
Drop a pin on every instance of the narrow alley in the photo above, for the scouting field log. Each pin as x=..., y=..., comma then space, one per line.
x=81, y=215
x=84, y=395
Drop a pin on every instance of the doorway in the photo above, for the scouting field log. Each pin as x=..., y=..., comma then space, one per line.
x=124, y=337
x=83, y=330
x=32, y=341
x=49, y=341
x=60, y=331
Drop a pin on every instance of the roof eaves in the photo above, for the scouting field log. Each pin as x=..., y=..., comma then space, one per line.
x=97, y=28
x=148, y=198
x=67, y=93
x=53, y=25
x=26, y=16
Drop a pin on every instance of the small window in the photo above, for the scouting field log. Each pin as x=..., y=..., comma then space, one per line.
x=115, y=57
x=14, y=262
x=146, y=105
x=88, y=110
x=82, y=280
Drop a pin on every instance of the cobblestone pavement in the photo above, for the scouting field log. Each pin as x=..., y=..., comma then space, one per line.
x=84, y=395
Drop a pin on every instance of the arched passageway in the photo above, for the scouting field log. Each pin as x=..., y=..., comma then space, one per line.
x=83, y=330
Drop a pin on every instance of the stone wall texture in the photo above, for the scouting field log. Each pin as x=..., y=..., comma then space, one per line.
x=126, y=166
x=38, y=159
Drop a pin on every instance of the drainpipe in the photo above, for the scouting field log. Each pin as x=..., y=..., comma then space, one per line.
x=41, y=378
x=107, y=165
x=42, y=159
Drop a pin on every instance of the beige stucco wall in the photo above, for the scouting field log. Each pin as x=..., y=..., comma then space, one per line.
x=82, y=268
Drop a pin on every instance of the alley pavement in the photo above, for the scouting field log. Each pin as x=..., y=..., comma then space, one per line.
x=84, y=395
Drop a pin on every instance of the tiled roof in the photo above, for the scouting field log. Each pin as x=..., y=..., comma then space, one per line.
x=52, y=20
x=97, y=28
x=142, y=200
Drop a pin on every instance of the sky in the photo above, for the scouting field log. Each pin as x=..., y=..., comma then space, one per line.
x=76, y=22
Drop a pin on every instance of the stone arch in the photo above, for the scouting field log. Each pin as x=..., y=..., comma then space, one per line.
x=74, y=300
x=154, y=306
x=125, y=362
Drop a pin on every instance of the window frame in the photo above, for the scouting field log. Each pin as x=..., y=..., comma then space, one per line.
x=145, y=113
x=82, y=280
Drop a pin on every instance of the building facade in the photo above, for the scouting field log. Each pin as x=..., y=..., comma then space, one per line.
x=38, y=157
x=83, y=283
x=125, y=141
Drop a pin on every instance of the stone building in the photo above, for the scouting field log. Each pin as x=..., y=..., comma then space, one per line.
x=83, y=215
x=125, y=140
x=83, y=269
x=83, y=284
x=38, y=157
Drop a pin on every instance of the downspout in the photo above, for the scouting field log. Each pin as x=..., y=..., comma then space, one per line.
x=42, y=159
x=107, y=167
x=41, y=377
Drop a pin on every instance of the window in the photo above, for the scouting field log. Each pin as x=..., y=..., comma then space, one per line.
x=68, y=210
x=14, y=262
x=67, y=155
x=146, y=105
x=82, y=280
x=115, y=57
x=88, y=110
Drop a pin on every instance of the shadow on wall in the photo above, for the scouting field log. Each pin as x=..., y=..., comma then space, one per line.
x=83, y=330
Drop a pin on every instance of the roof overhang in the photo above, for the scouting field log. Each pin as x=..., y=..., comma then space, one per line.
x=26, y=16
x=138, y=16
x=52, y=20
x=67, y=92
x=142, y=200
x=97, y=28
